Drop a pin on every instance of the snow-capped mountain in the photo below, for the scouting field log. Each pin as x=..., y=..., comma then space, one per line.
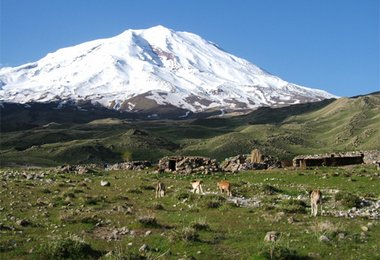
x=148, y=68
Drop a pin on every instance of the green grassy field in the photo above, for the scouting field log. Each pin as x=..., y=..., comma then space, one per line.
x=56, y=215
x=326, y=126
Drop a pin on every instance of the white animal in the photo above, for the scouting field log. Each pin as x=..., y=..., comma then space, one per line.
x=160, y=190
x=315, y=198
x=197, y=186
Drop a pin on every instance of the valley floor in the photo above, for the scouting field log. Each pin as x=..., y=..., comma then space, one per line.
x=45, y=214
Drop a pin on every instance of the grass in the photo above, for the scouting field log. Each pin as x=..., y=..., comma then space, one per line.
x=182, y=224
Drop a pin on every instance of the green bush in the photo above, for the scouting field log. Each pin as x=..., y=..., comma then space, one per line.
x=183, y=195
x=269, y=190
x=293, y=206
x=157, y=206
x=276, y=251
x=67, y=248
x=187, y=234
x=148, y=221
x=214, y=201
x=201, y=224
x=347, y=199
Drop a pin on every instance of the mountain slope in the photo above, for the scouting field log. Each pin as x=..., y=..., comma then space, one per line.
x=345, y=124
x=151, y=68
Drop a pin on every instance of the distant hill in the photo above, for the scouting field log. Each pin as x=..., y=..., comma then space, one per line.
x=344, y=124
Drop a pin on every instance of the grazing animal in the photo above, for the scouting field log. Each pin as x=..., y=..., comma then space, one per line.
x=160, y=190
x=197, y=186
x=315, y=198
x=225, y=186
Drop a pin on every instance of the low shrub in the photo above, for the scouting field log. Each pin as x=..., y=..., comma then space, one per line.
x=183, y=195
x=46, y=191
x=147, y=187
x=201, y=224
x=214, y=201
x=293, y=206
x=347, y=199
x=67, y=248
x=148, y=221
x=136, y=191
x=186, y=234
x=157, y=206
x=269, y=190
x=275, y=251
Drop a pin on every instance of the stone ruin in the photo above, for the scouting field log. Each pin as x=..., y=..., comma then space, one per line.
x=79, y=169
x=188, y=164
x=129, y=166
x=254, y=161
x=337, y=159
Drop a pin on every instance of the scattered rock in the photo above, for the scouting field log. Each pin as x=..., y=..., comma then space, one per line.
x=271, y=236
x=147, y=233
x=40, y=202
x=369, y=209
x=144, y=248
x=341, y=236
x=105, y=183
x=4, y=227
x=314, y=255
x=324, y=239
x=23, y=222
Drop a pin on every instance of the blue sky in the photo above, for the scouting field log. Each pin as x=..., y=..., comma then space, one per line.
x=327, y=44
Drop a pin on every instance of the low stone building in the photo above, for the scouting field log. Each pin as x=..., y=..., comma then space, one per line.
x=337, y=159
x=188, y=164
x=254, y=161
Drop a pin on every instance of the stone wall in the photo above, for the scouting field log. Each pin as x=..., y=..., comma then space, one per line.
x=372, y=157
x=188, y=164
x=253, y=161
x=79, y=169
x=129, y=166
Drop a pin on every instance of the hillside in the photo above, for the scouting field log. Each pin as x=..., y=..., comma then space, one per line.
x=330, y=125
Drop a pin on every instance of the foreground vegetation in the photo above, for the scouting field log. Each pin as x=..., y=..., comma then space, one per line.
x=56, y=137
x=45, y=214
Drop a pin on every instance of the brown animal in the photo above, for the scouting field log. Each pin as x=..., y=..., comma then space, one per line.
x=225, y=186
x=160, y=190
x=315, y=198
x=197, y=186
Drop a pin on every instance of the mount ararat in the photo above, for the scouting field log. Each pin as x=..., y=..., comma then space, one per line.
x=147, y=70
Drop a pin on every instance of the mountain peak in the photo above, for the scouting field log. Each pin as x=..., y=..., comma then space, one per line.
x=159, y=28
x=155, y=66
